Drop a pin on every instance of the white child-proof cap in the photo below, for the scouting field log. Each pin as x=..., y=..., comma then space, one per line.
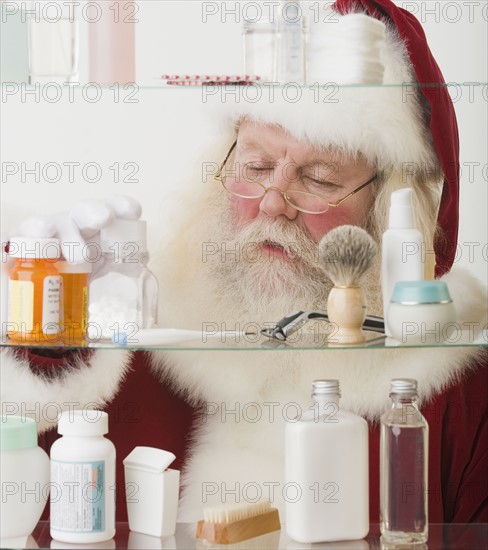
x=152, y=491
x=35, y=248
x=86, y=422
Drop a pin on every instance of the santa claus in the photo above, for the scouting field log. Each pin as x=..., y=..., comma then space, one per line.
x=223, y=412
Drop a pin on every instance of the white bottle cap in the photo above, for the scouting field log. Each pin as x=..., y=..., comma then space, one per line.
x=403, y=386
x=401, y=212
x=127, y=235
x=34, y=248
x=86, y=422
x=326, y=387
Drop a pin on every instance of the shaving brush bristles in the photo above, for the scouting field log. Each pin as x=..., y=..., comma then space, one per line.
x=346, y=254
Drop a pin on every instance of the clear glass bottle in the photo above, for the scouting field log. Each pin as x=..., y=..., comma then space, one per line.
x=123, y=292
x=404, y=467
x=291, y=43
x=326, y=471
x=53, y=37
x=259, y=48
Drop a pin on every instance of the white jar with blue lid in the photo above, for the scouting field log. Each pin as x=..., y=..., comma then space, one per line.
x=82, y=479
x=421, y=312
x=24, y=475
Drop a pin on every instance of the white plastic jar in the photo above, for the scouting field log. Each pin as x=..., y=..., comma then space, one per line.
x=24, y=476
x=421, y=312
x=83, y=479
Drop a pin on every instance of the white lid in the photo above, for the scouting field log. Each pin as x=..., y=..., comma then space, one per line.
x=86, y=422
x=401, y=212
x=41, y=248
x=125, y=235
x=149, y=458
x=68, y=267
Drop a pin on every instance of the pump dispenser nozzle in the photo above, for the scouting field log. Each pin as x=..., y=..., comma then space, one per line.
x=401, y=211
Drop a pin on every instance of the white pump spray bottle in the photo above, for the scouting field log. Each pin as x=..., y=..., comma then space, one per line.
x=401, y=254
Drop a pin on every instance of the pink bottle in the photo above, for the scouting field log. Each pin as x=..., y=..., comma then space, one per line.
x=112, y=42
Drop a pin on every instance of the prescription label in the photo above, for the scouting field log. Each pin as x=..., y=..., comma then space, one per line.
x=21, y=305
x=51, y=304
x=84, y=310
x=78, y=496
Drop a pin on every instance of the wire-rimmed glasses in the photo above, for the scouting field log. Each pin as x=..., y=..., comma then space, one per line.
x=304, y=201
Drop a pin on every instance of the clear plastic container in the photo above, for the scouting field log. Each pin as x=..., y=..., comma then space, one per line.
x=291, y=44
x=53, y=36
x=123, y=291
x=260, y=48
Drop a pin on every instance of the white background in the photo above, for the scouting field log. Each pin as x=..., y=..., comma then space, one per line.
x=167, y=129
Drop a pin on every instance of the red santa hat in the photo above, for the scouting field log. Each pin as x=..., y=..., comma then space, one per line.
x=441, y=119
x=408, y=124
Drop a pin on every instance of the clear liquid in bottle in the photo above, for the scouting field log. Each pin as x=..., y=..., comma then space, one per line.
x=403, y=471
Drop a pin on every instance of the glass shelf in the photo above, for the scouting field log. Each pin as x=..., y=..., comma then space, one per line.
x=297, y=342
x=446, y=537
x=9, y=88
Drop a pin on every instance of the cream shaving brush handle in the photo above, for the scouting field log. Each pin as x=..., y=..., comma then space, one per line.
x=346, y=307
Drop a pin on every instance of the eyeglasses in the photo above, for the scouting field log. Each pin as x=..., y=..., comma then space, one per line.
x=309, y=203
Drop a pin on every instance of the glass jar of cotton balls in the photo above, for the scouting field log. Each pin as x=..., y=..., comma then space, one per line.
x=123, y=291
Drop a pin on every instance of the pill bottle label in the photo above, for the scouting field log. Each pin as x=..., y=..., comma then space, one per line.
x=78, y=496
x=21, y=304
x=50, y=304
x=84, y=310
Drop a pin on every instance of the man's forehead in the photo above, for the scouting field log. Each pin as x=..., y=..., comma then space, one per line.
x=274, y=140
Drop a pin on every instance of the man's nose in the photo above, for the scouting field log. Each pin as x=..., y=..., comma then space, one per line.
x=273, y=203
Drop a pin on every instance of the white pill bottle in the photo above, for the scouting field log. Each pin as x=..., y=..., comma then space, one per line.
x=82, y=479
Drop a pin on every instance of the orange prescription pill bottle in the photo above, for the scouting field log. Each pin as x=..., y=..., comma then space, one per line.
x=74, y=309
x=34, y=290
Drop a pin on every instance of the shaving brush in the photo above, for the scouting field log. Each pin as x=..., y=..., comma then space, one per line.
x=346, y=254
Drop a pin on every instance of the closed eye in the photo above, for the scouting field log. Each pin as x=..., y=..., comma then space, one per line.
x=322, y=183
x=255, y=169
x=259, y=166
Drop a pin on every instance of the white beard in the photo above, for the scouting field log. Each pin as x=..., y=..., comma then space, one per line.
x=246, y=284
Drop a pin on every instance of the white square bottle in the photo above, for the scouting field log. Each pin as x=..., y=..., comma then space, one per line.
x=326, y=471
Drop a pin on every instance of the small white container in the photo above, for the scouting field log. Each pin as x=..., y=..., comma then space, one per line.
x=421, y=312
x=152, y=491
x=24, y=476
x=83, y=479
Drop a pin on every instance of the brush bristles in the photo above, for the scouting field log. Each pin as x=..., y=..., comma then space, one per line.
x=346, y=253
x=235, y=512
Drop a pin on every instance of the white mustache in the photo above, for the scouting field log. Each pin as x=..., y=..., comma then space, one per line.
x=294, y=240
